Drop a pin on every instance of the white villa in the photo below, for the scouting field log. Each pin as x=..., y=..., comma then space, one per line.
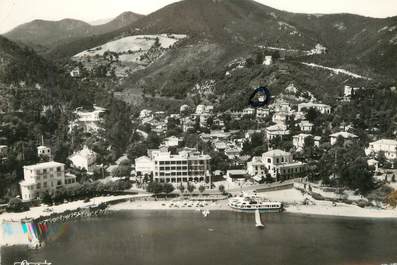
x=281, y=163
x=262, y=113
x=306, y=126
x=248, y=111
x=232, y=151
x=44, y=151
x=389, y=147
x=144, y=165
x=276, y=130
x=201, y=109
x=323, y=108
x=44, y=177
x=84, y=159
x=75, y=72
x=256, y=167
x=280, y=117
x=172, y=141
x=299, y=141
x=345, y=135
x=268, y=60
x=3, y=150
x=145, y=113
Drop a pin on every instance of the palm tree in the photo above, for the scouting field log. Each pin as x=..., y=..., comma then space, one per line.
x=221, y=189
x=190, y=188
x=181, y=188
x=201, y=189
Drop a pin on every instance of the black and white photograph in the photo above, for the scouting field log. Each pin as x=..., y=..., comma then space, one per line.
x=200, y=132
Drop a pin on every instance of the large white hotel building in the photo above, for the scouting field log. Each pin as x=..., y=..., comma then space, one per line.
x=44, y=177
x=187, y=165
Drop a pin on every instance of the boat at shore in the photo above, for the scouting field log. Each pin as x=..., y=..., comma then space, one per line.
x=252, y=203
x=258, y=220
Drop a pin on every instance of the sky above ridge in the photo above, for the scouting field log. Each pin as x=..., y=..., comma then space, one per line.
x=16, y=12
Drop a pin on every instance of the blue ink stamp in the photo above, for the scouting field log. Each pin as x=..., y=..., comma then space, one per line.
x=260, y=97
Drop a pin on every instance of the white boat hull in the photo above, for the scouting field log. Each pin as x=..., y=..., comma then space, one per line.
x=262, y=210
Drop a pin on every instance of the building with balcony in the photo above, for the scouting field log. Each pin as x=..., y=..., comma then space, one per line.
x=187, y=165
x=44, y=177
x=281, y=164
x=322, y=108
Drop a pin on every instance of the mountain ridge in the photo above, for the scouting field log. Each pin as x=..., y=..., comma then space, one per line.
x=42, y=35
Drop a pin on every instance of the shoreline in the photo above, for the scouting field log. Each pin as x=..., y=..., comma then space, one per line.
x=303, y=210
x=293, y=200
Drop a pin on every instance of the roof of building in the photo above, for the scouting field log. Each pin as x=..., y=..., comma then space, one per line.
x=237, y=173
x=256, y=160
x=303, y=135
x=276, y=152
x=85, y=152
x=385, y=142
x=305, y=122
x=277, y=127
x=345, y=135
x=291, y=164
x=44, y=165
x=312, y=104
x=142, y=158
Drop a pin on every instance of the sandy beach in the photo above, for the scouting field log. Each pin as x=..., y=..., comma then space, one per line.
x=292, y=198
x=170, y=205
x=36, y=212
x=294, y=204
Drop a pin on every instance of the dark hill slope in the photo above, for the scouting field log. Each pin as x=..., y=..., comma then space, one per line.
x=43, y=35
